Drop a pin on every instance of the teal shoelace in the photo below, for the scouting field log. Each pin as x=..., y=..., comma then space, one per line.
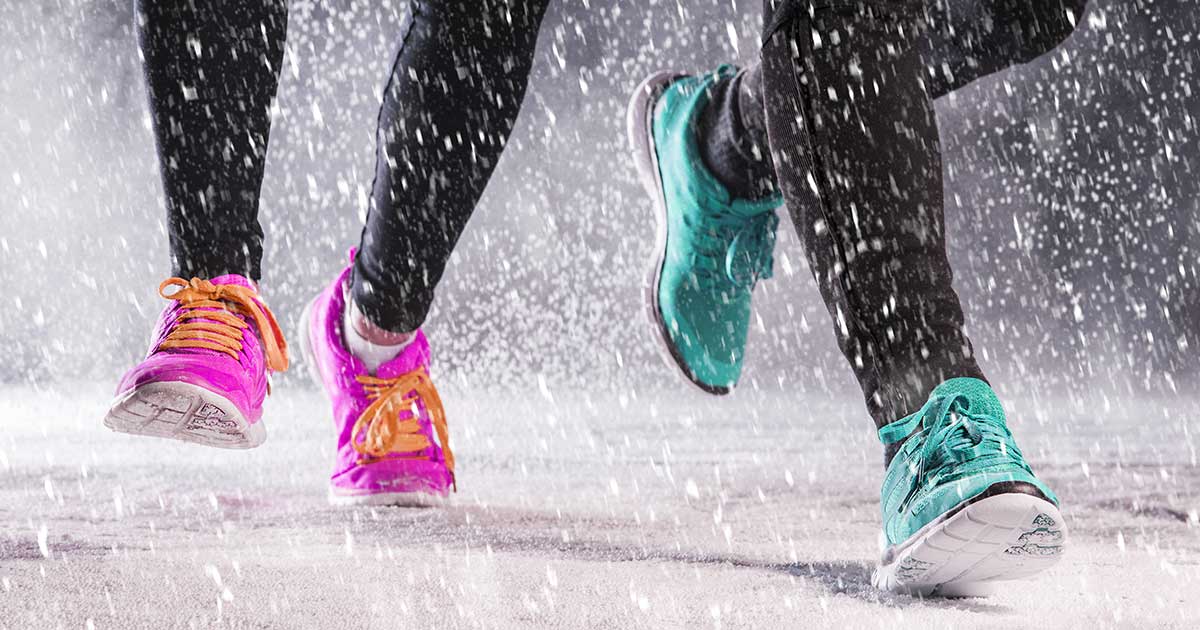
x=737, y=250
x=952, y=435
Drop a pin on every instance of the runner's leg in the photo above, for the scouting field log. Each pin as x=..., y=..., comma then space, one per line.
x=453, y=97
x=966, y=40
x=212, y=67
x=855, y=145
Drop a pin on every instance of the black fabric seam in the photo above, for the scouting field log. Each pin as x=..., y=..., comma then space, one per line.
x=825, y=191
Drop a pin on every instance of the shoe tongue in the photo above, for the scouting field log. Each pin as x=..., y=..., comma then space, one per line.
x=982, y=399
x=237, y=280
x=413, y=356
x=713, y=198
x=233, y=278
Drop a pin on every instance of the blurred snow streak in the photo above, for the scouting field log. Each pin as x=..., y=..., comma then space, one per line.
x=1071, y=194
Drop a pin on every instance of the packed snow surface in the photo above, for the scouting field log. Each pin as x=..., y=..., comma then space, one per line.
x=575, y=510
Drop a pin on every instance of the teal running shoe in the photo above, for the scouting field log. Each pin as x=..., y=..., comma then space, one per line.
x=711, y=249
x=961, y=508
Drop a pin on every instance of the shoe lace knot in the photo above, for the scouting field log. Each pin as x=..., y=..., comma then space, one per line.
x=390, y=428
x=208, y=319
x=951, y=434
x=737, y=249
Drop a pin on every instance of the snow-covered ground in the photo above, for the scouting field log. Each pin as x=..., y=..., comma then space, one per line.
x=574, y=510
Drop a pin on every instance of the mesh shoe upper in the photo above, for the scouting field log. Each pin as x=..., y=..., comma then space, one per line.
x=957, y=446
x=717, y=248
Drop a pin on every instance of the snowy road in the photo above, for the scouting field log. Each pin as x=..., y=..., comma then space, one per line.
x=574, y=511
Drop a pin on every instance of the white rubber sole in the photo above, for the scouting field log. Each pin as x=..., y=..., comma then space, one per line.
x=999, y=538
x=185, y=412
x=638, y=124
x=389, y=499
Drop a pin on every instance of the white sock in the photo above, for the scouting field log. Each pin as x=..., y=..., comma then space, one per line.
x=371, y=354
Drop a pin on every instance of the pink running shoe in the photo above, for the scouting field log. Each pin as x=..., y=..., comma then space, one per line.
x=387, y=452
x=205, y=377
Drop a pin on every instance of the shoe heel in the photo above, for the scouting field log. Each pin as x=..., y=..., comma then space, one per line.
x=306, y=350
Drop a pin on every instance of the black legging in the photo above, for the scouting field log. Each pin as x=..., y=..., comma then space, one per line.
x=848, y=93
x=455, y=90
x=212, y=67
x=965, y=41
x=453, y=95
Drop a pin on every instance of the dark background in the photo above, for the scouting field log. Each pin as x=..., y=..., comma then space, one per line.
x=1071, y=190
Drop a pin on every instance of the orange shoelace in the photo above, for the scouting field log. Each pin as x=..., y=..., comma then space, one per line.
x=385, y=434
x=207, y=320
